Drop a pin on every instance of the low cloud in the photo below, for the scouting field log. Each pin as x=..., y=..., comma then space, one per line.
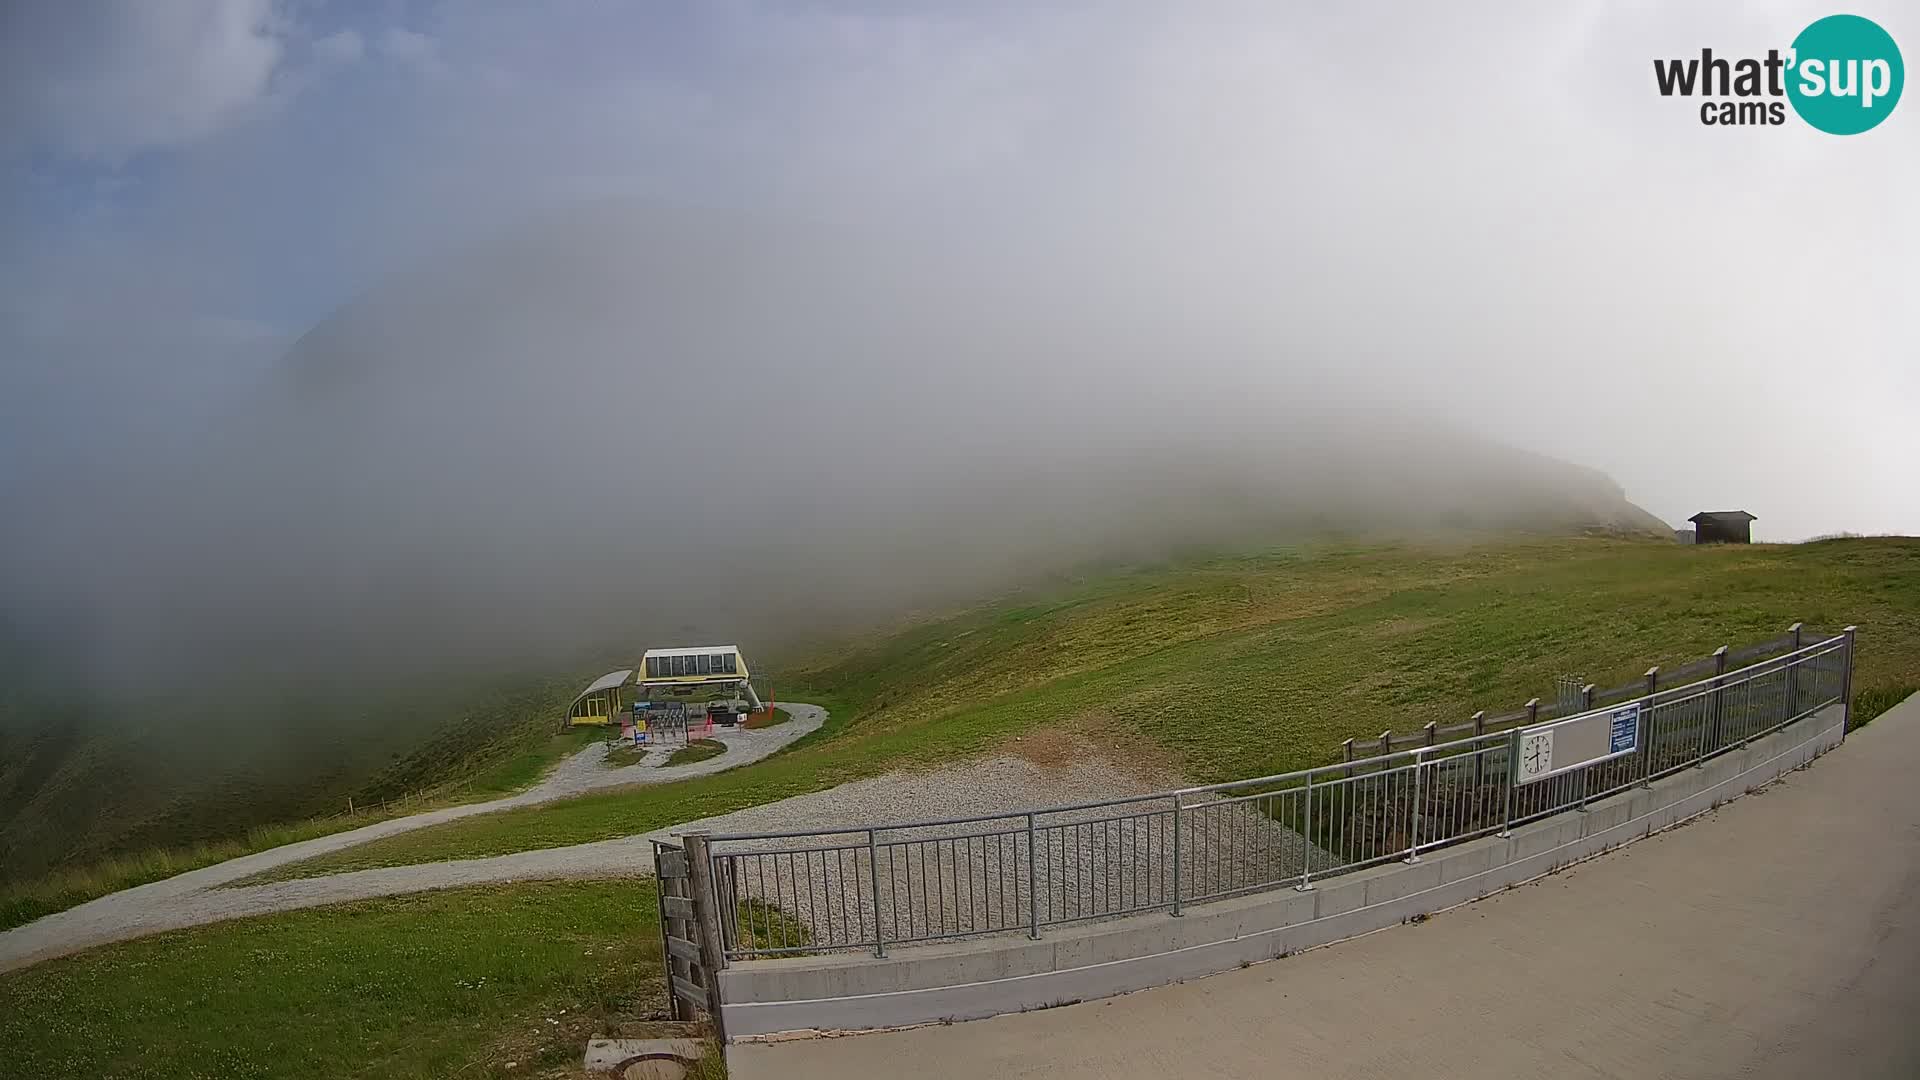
x=106, y=80
x=341, y=47
x=409, y=46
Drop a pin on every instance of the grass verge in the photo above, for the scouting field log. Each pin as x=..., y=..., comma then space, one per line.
x=1868, y=704
x=768, y=926
x=483, y=982
x=700, y=750
x=522, y=770
x=624, y=755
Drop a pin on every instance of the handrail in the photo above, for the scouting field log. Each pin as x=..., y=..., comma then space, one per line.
x=873, y=885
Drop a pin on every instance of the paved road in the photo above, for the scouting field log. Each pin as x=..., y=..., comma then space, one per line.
x=1777, y=938
x=196, y=897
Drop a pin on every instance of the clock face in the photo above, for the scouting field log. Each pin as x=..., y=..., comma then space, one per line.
x=1536, y=754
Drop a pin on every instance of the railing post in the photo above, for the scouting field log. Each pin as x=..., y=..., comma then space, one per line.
x=1846, y=683
x=1176, y=855
x=1586, y=774
x=1386, y=746
x=1419, y=795
x=1646, y=727
x=1719, y=669
x=873, y=866
x=1479, y=757
x=1793, y=671
x=1533, y=711
x=1347, y=749
x=1306, y=849
x=1033, y=885
x=1513, y=781
x=1432, y=732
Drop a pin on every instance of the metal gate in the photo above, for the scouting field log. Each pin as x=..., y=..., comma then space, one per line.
x=689, y=931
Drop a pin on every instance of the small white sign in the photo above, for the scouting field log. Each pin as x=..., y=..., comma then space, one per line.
x=1536, y=755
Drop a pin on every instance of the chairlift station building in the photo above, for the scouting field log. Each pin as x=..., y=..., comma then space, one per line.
x=667, y=671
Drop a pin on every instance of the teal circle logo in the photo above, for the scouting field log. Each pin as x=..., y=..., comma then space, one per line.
x=1846, y=74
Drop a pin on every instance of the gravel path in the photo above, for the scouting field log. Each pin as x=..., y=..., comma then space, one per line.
x=583, y=772
x=987, y=786
x=195, y=897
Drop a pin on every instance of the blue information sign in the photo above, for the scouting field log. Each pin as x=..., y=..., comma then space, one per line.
x=1625, y=732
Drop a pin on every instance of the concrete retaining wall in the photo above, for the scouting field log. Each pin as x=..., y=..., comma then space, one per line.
x=974, y=979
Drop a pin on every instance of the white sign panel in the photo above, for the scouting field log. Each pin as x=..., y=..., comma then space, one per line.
x=1577, y=742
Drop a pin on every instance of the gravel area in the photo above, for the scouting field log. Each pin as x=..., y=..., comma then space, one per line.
x=977, y=877
x=198, y=896
x=965, y=789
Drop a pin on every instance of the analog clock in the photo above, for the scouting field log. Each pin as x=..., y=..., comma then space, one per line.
x=1536, y=754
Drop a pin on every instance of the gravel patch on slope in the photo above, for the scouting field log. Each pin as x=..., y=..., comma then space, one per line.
x=979, y=876
x=965, y=789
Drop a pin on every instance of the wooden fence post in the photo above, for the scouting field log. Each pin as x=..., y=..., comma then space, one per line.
x=1479, y=752
x=1586, y=697
x=680, y=1010
x=1346, y=748
x=706, y=911
x=1386, y=746
x=1432, y=731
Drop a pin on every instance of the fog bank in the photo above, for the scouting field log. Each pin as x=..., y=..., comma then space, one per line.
x=618, y=424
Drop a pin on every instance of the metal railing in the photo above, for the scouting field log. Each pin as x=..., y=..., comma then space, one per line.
x=1575, y=698
x=872, y=887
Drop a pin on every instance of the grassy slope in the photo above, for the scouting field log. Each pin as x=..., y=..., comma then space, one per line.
x=82, y=778
x=455, y=983
x=1244, y=666
x=528, y=757
x=502, y=747
x=696, y=751
x=767, y=719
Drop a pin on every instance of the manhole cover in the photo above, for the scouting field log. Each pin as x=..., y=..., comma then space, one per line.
x=663, y=1067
